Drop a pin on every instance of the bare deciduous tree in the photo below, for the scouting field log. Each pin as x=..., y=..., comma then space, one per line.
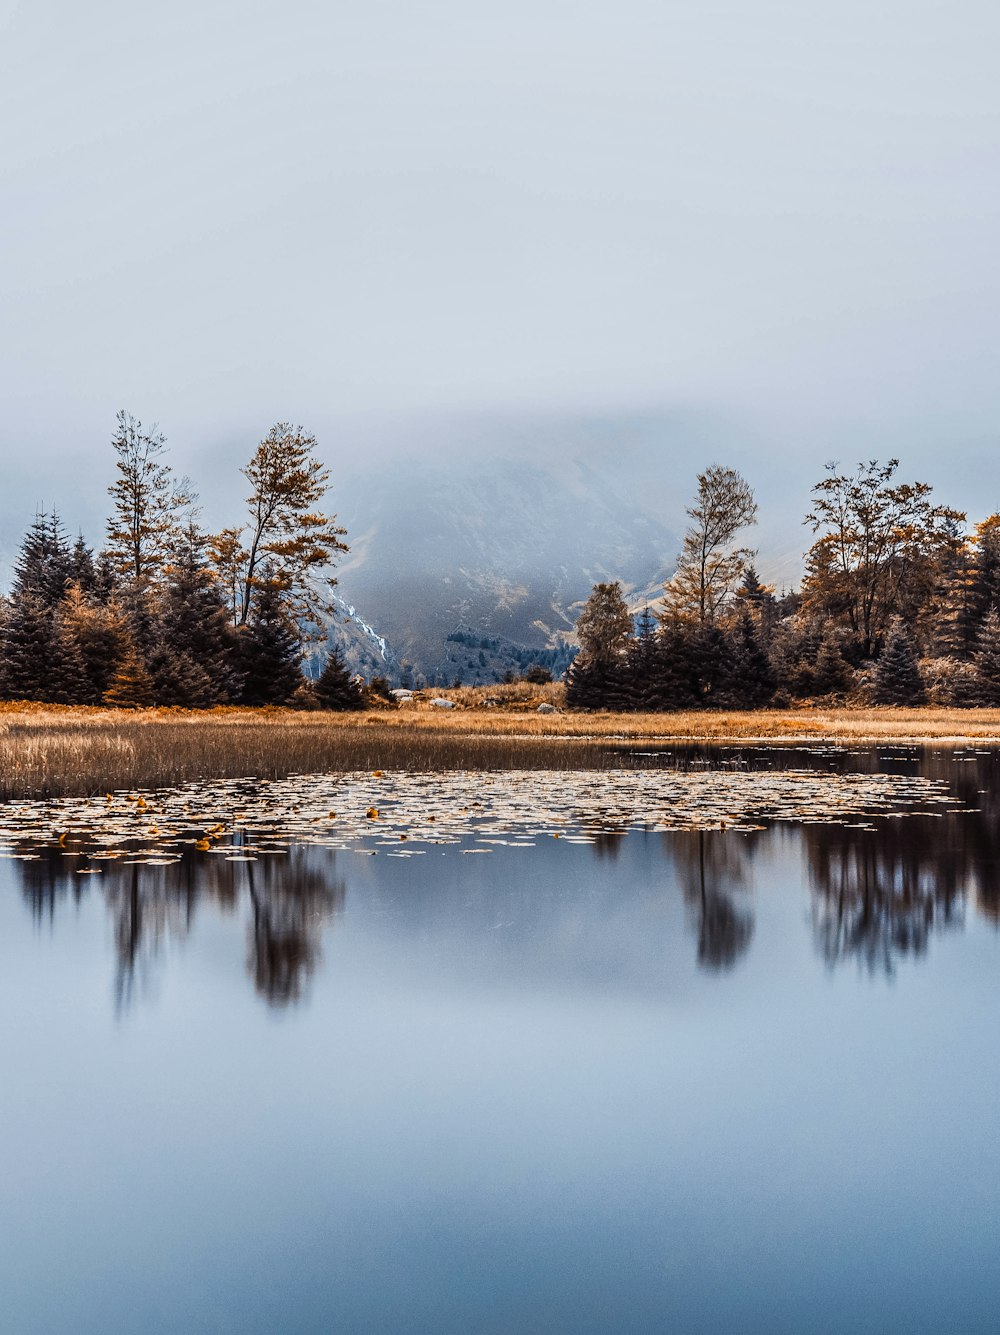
x=285, y=540
x=709, y=565
x=149, y=504
x=879, y=551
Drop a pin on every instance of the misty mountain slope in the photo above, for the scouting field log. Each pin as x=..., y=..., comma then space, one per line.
x=361, y=646
x=508, y=547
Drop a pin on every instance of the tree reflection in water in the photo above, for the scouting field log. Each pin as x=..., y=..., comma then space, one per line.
x=290, y=897
x=879, y=889
x=878, y=895
x=290, y=901
x=710, y=865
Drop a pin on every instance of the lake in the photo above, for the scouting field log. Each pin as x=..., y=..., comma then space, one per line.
x=705, y=1044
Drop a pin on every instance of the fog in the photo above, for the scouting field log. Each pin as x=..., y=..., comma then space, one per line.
x=773, y=223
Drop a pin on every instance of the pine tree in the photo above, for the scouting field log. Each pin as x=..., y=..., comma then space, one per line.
x=43, y=567
x=268, y=650
x=710, y=657
x=66, y=680
x=641, y=662
x=675, y=684
x=99, y=631
x=750, y=590
x=82, y=570
x=26, y=637
x=831, y=672
x=657, y=675
x=131, y=686
x=192, y=659
x=969, y=592
x=759, y=600
x=335, y=688
x=794, y=652
x=179, y=680
x=750, y=682
x=596, y=683
x=897, y=678
x=986, y=660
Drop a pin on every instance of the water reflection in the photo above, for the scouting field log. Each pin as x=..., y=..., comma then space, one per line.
x=291, y=899
x=287, y=900
x=713, y=871
x=880, y=888
x=879, y=895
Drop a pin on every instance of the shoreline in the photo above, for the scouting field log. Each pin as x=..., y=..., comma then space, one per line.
x=49, y=750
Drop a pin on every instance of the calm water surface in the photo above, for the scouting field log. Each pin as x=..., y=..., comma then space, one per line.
x=691, y=1082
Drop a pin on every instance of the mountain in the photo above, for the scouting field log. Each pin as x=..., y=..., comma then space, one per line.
x=362, y=648
x=497, y=548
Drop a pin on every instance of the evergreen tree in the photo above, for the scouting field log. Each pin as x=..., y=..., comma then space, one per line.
x=597, y=683
x=82, y=570
x=750, y=681
x=43, y=648
x=641, y=663
x=759, y=600
x=192, y=660
x=976, y=594
x=794, y=653
x=131, y=686
x=710, y=657
x=675, y=684
x=335, y=688
x=178, y=679
x=947, y=615
x=66, y=681
x=100, y=633
x=658, y=673
x=750, y=590
x=27, y=647
x=105, y=579
x=986, y=660
x=831, y=672
x=268, y=650
x=897, y=678
x=43, y=566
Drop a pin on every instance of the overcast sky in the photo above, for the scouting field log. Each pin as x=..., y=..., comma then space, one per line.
x=363, y=215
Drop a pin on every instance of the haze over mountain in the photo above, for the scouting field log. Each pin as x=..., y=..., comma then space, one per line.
x=499, y=523
x=505, y=547
x=592, y=247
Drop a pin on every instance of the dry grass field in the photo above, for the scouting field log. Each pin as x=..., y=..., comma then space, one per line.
x=46, y=749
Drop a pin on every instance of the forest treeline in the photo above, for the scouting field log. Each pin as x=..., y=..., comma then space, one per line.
x=899, y=605
x=166, y=613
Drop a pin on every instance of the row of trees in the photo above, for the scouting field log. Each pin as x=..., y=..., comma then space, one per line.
x=900, y=604
x=166, y=613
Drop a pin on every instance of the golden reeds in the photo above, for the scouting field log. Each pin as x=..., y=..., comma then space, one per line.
x=77, y=751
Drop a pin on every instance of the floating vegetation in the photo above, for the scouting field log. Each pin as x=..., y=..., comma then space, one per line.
x=248, y=818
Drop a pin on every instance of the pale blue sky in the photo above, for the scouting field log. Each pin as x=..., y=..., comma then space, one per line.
x=361, y=215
